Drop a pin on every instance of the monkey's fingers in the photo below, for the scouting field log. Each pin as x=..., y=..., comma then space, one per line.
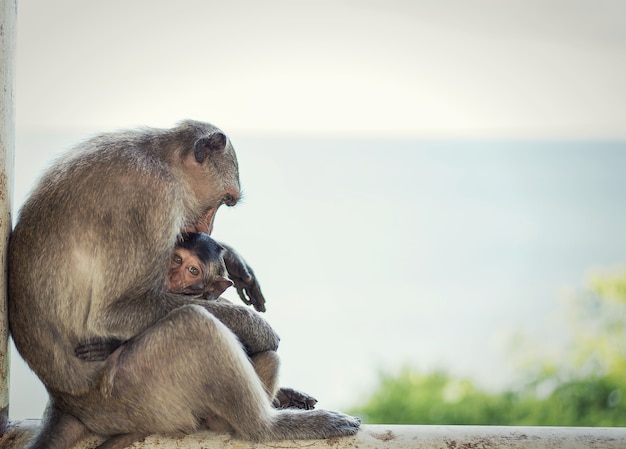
x=290, y=398
x=97, y=350
x=237, y=266
x=243, y=295
x=252, y=295
x=244, y=279
x=251, y=300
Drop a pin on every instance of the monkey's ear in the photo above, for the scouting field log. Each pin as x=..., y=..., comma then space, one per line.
x=219, y=286
x=206, y=145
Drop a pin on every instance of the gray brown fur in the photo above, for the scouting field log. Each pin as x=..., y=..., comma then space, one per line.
x=88, y=259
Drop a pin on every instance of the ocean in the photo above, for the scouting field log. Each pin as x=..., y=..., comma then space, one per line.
x=375, y=254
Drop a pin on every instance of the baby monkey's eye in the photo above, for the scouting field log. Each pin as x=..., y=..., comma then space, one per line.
x=177, y=259
x=194, y=270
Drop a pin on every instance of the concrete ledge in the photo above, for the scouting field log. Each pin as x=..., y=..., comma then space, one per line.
x=378, y=436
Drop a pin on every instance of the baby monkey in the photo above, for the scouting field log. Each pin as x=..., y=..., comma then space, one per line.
x=197, y=267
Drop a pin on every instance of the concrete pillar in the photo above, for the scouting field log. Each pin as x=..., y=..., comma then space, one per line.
x=7, y=142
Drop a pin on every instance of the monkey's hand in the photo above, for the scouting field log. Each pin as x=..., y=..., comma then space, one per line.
x=290, y=398
x=244, y=279
x=97, y=349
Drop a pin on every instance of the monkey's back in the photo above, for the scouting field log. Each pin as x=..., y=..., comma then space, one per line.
x=70, y=227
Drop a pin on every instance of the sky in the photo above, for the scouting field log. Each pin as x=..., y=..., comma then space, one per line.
x=451, y=68
x=377, y=242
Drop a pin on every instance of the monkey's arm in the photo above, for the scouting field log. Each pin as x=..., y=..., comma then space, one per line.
x=253, y=330
x=244, y=279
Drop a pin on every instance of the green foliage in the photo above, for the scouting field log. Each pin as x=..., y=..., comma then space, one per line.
x=588, y=388
x=413, y=398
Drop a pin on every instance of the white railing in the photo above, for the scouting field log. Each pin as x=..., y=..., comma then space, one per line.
x=379, y=437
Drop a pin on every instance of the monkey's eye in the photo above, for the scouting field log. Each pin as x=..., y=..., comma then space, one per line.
x=194, y=270
x=177, y=259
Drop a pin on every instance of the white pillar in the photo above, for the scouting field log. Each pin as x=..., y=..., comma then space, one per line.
x=7, y=142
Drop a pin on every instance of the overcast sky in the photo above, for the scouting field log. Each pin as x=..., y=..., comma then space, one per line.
x=484, y=68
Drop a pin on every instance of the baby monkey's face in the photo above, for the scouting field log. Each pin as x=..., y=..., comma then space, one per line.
x=187, y=273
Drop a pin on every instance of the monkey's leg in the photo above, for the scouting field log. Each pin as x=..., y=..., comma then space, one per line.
x=184, y=367
x=189, y=365
x=266, y=364
x=58, y=430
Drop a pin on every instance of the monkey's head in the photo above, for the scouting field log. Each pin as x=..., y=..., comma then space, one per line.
x=210, y=167
x=197, y=267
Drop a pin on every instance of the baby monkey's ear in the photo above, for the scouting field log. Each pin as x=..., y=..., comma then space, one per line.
x=217, y=287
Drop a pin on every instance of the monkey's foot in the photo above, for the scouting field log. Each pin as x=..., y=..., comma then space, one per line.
x=290, y=398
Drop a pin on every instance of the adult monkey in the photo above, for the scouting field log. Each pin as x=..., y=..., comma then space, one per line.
x=88, y=258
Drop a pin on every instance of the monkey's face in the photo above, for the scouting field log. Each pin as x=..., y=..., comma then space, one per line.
x=213, y=175
x=187, y=273
x=211, y=191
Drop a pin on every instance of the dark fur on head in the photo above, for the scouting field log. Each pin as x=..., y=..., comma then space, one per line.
x=201, y=244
